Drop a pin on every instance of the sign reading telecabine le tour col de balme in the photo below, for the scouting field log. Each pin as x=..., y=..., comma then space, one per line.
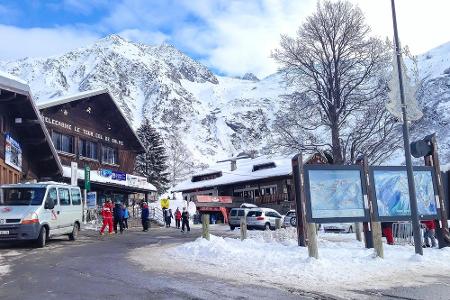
x=81, y=130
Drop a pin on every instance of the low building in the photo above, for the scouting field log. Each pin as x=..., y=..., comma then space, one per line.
x=26, y=150
x=89, y=128
x=263, y=181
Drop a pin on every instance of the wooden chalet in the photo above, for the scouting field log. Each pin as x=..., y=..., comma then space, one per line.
x=89, y=128
x=263, y=181
x=26, y=150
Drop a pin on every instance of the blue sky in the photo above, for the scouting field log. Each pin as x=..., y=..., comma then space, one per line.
x=230, y=36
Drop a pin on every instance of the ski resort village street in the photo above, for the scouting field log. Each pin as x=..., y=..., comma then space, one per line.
x=166, y=264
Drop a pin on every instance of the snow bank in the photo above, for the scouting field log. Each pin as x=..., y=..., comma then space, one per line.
x=273, y=258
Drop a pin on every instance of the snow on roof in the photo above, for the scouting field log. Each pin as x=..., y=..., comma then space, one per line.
x=243, y=173
x=83, y=95
x=8, y=80
x=95, y=177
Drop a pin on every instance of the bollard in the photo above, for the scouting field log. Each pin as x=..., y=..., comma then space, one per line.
x=377, y=242
x=205, y=226
x=278, y=223
x=313, y=250
x=358, y=231
x=243, y=228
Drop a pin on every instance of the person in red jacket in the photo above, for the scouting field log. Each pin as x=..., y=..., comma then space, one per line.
x=429, y=233
x=178, y=218
x=107, y=216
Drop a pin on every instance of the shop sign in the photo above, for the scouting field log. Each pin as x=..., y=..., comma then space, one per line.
x=137, y=181
x=13, y=153
x=91, y=199
x=87, y=178
x=105, y=172
x=120, y=176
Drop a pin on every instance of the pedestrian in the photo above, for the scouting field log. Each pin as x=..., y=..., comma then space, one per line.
x=169, y=217
x=126, y=215
x=178, y=218
x=185, y=220
x=429, y=233
x=144, y=216
x=118, y=217
x=107, y=217
x=387, y=232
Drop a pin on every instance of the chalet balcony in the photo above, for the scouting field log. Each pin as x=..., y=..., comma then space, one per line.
x=272, y=199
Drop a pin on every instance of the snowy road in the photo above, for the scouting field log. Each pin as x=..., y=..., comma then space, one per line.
x=92, y=268
x=99, y=269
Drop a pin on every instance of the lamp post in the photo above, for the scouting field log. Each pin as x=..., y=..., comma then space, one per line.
x=409, y=168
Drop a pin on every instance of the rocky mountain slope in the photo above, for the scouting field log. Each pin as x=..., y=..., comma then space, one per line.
x=211, y=116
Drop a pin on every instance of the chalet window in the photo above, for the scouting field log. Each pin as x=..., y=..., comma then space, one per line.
x=110, y=156
x=203, y=177
x=63, y=142
x=263, y=166
x=88, y=149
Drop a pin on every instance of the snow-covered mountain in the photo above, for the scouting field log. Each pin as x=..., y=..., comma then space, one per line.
x=214, y=116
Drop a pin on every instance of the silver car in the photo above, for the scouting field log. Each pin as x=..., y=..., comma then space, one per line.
x=290, y=219
x=262, y=218
x=234, y=220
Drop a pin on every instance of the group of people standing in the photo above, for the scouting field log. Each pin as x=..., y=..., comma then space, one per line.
x=181, y=218
x=114, y=215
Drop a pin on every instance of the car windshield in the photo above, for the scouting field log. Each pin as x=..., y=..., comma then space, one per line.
x=241, y=213
x=254, y=213
x=290, y=214
x=22, y=196
x=233, y=212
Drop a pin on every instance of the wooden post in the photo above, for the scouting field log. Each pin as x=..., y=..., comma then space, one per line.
x=300, y=210
x=278, y=223
x=205, y=226
x=358, y=231
x=313, y=250
x=374, y=226
x=243, y=228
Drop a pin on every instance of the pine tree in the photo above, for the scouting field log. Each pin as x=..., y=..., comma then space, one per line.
x=153, y=163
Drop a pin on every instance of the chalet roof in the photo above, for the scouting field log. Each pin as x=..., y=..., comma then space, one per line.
x=243, y=173
x=90, y=94
x=15, y=93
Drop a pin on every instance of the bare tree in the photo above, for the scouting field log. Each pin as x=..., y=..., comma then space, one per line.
x=340, y=73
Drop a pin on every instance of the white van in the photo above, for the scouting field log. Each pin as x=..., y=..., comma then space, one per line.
x=39, y=211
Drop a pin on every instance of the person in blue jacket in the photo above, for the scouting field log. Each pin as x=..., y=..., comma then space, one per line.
x=126, y=215
x=118, y=217
x=144, y=216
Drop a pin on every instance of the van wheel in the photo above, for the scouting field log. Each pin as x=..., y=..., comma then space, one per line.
x=74, y=235
x=232, y=228
x=42, y=238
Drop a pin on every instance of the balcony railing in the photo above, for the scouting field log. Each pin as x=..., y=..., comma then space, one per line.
x=271, y=199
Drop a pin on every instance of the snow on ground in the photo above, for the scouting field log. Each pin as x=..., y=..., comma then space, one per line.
x=273, y=258
x=4, y=257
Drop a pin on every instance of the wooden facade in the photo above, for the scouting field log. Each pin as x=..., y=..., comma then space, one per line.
x=26, y=152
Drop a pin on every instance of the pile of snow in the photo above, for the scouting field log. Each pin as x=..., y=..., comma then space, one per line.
x=273, y=258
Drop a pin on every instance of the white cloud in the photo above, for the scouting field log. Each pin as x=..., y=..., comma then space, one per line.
x=36, y=42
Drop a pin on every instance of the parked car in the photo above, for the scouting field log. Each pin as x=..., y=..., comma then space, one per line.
x=37, y=212
x=262, y=218
x=290, y=219
x=234, y=220
x=338, y=227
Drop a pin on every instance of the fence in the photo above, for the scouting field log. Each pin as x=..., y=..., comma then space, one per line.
x=403, y=233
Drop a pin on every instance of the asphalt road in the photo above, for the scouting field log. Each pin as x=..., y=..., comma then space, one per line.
x=98, y=268
x=94, y=268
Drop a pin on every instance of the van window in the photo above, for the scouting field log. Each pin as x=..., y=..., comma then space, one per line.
x=64, y=198
x=254, y=213
x=233, y=213
x=76, y=197
x=241, y=213
x=52, y=195
x=22, y=196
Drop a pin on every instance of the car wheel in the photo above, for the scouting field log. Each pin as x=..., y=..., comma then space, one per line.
x=350, y=229
x=74, y=235
x=293, y=221
x=42, y=238
x=267, y=226
x=232, y=228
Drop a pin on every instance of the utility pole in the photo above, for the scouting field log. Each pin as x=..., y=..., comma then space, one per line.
x=409, y=169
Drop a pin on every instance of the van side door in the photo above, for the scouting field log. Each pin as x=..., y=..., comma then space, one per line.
x=77, y=208
x=49, y=215
x=64, y=218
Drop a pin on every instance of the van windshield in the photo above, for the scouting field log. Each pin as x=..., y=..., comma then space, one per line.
x=22, y=196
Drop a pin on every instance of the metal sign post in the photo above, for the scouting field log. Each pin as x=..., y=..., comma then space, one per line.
x=409, y=170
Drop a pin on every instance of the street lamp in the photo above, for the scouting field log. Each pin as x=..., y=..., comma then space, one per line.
x=409, y=168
